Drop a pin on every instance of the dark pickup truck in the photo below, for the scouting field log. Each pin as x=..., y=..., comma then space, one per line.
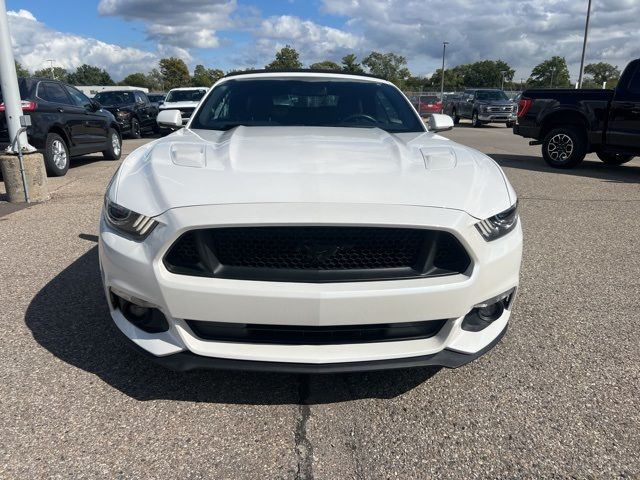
x=482, y=105
x=571, y=123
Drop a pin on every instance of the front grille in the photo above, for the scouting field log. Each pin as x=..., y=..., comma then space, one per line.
x=500, y=109
x=316, y=254
x=186, y=112
x=305, y=335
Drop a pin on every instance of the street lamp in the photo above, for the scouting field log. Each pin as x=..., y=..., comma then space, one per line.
x=53, y=77
x=444, y=50
x=553, y=71
x=503, y=75
x=584, y=44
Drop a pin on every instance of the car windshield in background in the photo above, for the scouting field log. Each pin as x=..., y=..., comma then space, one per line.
x=491, y=95
x=114, y=98
x=429, y=99
x=155, y=98
x=331, y=103
x=185, y=96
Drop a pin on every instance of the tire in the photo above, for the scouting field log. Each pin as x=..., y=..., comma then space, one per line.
x=456, y=118
x=611, y=158
x=114, y=146
x=475, y=121
x=564, y=147
x=509, y=124
x=56, y=155
x=136, y=132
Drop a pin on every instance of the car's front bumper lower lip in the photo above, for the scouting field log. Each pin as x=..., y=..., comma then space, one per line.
x=137, y=269
x=497, y=117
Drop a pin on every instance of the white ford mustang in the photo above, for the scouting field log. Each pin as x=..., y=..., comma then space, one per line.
x=309, y=222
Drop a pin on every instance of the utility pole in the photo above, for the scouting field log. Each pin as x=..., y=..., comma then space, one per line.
x=584, y=44
x=53, y=77
x=503, y=75
x=444, y=51
x=553, y=71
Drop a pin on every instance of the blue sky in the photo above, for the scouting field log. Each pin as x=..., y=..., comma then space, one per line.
x=131, y=35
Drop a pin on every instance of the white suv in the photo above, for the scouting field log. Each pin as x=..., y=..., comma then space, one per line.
x=184, y=99
x=309, y=222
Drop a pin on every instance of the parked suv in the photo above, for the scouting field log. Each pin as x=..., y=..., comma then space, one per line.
x=483, y=106
x=65, y=123
x=133, y=110
x=184, y=99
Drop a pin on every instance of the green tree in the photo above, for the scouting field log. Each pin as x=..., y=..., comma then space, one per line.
x=350, y=64
x=551, y=72
x=59, y=73
x=89, y=75
x=135, y=80
x=389, y=66
x=154, y=81
x=602, y=72
x=286, y=59
x=487, y=74
x=21, y=71
x=205, y=77
x=175, y=73
x=325, y=65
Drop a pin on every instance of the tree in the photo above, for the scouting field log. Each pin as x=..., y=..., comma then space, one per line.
x=487, y=74
x=325, y=65
x=175, y=73
x=154, y=81
x=89, y=75
x=286, y=59
x=205, y=77
x=20, y=70
x=602, y=72
x=389, y=66
x=59, y=73
x=350, y=64
x=135, y=80
x=551, y=72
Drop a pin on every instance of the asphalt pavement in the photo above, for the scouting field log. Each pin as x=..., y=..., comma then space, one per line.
x=559, y=397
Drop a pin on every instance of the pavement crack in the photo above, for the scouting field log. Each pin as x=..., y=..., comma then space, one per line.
x=303, y=446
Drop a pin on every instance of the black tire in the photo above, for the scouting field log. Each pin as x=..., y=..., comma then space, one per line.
x=475, y=120
x=565, y=147
x=136, y=131
x=56, y=155
x=611, y=158
x=509, y=124
x=114, y=150
x=456, y=118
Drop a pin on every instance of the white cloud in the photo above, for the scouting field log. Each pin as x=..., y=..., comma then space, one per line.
x=34, y=43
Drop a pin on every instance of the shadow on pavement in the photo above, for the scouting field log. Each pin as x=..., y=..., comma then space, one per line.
x=593, y=169
x=70, y=318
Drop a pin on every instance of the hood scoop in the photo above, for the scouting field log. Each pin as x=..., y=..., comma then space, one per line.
x=439, y=158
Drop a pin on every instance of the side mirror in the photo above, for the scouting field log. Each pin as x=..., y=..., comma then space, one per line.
x=94, y=106
x=440, y=123
x=469, y=100
x=169, y=119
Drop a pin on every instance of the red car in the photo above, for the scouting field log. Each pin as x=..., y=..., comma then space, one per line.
x=428, y=104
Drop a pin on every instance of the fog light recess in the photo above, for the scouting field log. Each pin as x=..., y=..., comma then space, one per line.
x=143, y=315
x=484, y=314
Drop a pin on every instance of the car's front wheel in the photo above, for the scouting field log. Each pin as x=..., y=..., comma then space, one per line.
x=136, y=131
x=564, y=147
x=611, y=158
x=56, y=155
x=114, y=146
x=510, y=124
x=456, y=118
x=475, y=120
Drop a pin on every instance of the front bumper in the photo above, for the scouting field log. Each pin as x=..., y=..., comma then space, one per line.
x=497, y=117
x=137, y=268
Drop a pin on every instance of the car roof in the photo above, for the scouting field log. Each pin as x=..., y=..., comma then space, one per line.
x=188, y=88
x=303, y=73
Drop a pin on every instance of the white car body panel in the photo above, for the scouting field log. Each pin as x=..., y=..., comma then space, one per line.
x=309, y=176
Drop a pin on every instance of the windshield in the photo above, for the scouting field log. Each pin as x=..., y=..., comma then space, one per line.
x=185, y=95
x=114, y=98
x=429, y=99
x=498, y=95
x=155, y=97
x=313, y=102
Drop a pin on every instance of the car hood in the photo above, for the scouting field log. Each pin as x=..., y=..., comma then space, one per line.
x=309, y=165
x=126, y=107
x=174, y=105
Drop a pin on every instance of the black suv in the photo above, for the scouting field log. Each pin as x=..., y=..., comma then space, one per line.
x=133, y=110
x=65, y=123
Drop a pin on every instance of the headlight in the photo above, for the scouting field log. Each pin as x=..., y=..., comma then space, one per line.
x=128, y=222
x=500, y=224
x=483, y=108
x=123, y=114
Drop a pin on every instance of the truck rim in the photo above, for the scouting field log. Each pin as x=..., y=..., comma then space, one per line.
x=560, y=147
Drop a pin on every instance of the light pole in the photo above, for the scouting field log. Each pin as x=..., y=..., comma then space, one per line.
x=444, y=51
x=553, y=71
x=53, y=77
x=503, y=75
x=584, y=44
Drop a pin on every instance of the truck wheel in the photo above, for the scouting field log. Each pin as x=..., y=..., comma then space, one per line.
x=611, y=158
x=564, y=147
x=114, y=146
x=56, y=155
x=475, y=121
x=509, y=124
x=135, y=128
x=456, y=118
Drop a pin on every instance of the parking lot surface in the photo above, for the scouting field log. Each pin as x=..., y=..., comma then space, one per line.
x=558, y=397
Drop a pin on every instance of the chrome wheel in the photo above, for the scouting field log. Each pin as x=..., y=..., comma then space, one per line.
x=60, y=156
x=115, y=144
x=560, y=147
